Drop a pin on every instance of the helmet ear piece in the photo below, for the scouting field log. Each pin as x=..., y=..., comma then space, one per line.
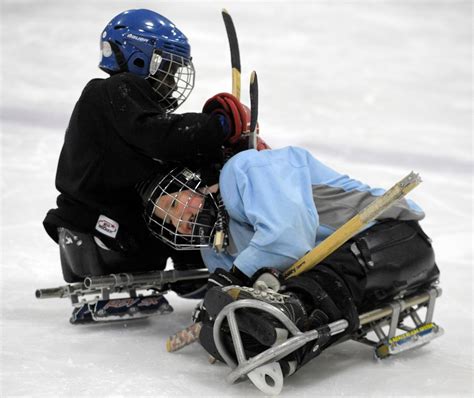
x=121, y=61
x=139, y=62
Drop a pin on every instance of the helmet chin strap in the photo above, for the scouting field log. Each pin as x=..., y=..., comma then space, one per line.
x=213, y=222
x=205, y=225
x=221, y=236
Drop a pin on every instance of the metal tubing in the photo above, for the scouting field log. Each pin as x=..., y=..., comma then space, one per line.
x=156, y=278
x=59, y=292
x=380, y=313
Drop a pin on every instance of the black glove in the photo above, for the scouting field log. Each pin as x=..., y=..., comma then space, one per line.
x=220, y=278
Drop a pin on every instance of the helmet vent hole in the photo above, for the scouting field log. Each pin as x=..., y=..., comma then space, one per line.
x=139, y=62
x=118, y=27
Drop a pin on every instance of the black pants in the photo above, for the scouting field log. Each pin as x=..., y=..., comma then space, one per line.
x=82, y=256
x=387, y=259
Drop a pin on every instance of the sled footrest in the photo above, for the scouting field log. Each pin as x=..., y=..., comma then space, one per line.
x=415, y=338
x=395, y=315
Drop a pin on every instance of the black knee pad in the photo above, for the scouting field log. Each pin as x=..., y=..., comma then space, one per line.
x=81, y=256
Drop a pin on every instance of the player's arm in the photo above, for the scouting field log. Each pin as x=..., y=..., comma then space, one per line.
x=277, y=206
x=141, y=124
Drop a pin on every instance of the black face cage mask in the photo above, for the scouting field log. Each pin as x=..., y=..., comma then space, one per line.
x=172, y=78
x=168, y=202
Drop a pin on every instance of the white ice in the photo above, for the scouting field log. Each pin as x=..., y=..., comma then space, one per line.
x=374, y=88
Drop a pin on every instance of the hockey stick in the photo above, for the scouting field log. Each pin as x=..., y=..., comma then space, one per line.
x=191, y=333
x=236, y=76
x=331, y=243
x=234, y=52
x=253, y=110
x=236, y=80
x=353, y=226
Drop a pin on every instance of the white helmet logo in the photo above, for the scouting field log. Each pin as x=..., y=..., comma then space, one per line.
x=106, y=49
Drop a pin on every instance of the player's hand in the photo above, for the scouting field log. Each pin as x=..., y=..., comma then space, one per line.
x=234, y=116
x=261, y=144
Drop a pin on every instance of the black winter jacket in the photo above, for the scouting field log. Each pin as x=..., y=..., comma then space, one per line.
x=118, y=136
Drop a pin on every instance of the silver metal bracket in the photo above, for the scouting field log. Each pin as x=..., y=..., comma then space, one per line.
x=262, y=369
x=394, y=316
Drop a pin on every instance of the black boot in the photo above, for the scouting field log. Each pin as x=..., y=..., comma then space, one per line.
x=301, y=299
x=258, y=329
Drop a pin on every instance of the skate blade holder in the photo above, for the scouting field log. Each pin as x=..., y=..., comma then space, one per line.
x=395, y=315
x=263, y=370
x=130, y=309
x=82, y=295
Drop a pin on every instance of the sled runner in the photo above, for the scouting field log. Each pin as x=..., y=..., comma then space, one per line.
x=119, y=297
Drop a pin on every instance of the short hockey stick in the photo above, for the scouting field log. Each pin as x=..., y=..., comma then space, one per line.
x=236, y=76
x=332, y=243
x=253, y=110
x=236, y=80
x=234, y=52
x=191, y=333
x=353, y=226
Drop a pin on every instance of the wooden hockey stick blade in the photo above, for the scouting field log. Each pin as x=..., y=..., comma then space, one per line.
x=184, y=337
x=234, y=52
x=353, y=226
x=253, y=110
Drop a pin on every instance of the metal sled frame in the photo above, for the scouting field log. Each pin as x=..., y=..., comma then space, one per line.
x=265, y=372
x=123, y=286
x=89, y=296
x=101, y=287
x=394, y=315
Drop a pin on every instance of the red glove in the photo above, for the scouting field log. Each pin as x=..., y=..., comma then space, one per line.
x=236, y=114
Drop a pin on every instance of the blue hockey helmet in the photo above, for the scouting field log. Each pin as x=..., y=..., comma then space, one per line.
x=149, y=45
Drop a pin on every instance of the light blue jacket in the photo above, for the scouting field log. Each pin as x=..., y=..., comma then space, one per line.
x=282, y=203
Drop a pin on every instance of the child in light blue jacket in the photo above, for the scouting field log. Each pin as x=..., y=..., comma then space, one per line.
x=268, y=210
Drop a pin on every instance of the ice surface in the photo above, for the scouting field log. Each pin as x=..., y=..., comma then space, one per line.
x=374, y=89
